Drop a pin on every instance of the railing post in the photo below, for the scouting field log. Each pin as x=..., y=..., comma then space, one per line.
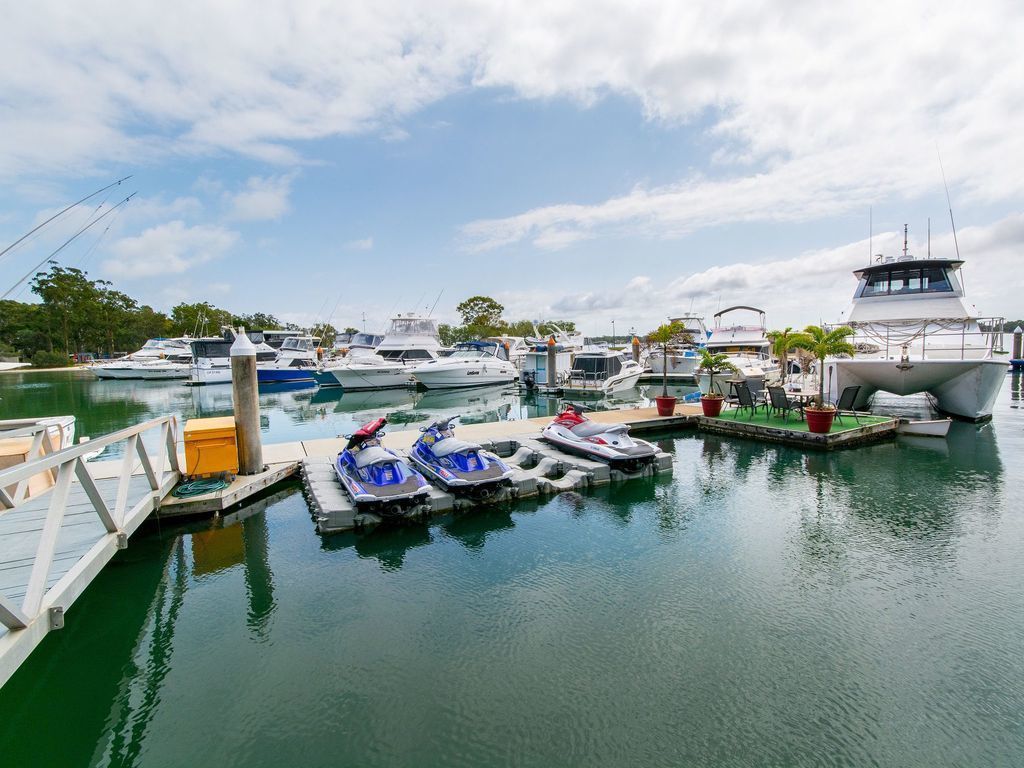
x=48, y=541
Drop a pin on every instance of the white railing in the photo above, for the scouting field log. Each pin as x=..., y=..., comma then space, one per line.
x=938, y=339
x=119, y=521
x=41, y=445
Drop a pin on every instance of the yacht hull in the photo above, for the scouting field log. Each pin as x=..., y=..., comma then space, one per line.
x=163, y=373
x=966, y=389
x=214, y=375
x=116, y=373
x=355, y=378
x=678, y=365
x=462, y=377
x=284, y=375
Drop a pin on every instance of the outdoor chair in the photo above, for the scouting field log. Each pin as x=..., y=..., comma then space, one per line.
x=747, y=400
x=778, y=401
x=845, y=403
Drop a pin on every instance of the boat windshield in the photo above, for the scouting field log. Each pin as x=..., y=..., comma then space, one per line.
x=413, y=326
x=364, y=340
x=901, y=282
x=405, y=354
x=294, y=344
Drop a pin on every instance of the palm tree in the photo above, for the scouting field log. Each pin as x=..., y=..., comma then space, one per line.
x=711, y=364
x=782, y=343
x=822, y=344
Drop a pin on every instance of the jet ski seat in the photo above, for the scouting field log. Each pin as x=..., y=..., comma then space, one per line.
x=591, y=428
x=452, y=445
x=372, y=455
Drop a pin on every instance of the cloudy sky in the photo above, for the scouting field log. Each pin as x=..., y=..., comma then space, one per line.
x=598, y=161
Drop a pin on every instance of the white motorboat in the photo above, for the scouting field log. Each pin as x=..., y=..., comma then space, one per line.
x=296, y=362
x=571, y=340
x=211, y=357
x=410, y=341
x=155, y=350
x=602, y=371
x=915, y=332
x=162, y=370
x=472, y=364
x=360, y=344
x=60, y=430
x=924, y=427
x=748, y=349
x=682, y=356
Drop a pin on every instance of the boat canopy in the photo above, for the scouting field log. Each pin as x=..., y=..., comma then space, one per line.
x=903, y=278
x=597, y=366
x=413, y=326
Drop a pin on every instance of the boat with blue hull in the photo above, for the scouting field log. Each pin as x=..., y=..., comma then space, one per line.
x=296, y=363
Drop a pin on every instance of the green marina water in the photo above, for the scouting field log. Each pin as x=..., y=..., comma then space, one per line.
x=761, y=606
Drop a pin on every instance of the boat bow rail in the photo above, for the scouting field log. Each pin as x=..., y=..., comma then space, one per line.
x=931, y=338
x=55, y=543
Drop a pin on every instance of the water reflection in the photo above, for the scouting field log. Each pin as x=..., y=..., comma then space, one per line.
x=1016, y=388
x=473, y=530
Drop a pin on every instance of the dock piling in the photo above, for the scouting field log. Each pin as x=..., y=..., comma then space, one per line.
x=1018, y=343
x=636, y=350
x=245, y=395
x=552, y=363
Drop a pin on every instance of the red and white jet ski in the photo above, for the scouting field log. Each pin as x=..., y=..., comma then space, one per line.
x=572, y=431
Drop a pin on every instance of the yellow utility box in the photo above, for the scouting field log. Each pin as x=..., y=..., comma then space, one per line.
x=210, y=447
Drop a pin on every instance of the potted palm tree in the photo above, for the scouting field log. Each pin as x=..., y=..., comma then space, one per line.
x=662, y=336
x=821, y=344
x=713, y=364
x=782, y=343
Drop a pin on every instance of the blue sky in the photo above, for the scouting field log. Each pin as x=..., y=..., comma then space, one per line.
x=584, y=161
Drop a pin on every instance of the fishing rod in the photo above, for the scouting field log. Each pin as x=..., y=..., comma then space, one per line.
x=435, y=303
x=66, y=243
x=57, y=215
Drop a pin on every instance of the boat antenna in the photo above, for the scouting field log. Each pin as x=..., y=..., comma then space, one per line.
x=904, y=241
x=434, y=306
x=948, y=202
x=929, y=237
x=60, y=213
x=871, y=234
x=66, y=243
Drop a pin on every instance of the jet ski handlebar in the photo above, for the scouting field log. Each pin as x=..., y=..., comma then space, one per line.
x=441, y=424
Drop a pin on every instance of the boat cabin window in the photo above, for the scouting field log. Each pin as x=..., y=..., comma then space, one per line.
x=412, y=326
x=900, y=282
x=293, y=344
x=365, y=340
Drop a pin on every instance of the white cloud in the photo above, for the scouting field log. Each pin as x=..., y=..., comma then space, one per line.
x=366, y=244
x=805, y=288
x=171, y=248
x=262, y=199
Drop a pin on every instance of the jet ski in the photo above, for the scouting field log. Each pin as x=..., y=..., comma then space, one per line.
x=572, y=431
x=456, y=465
x=378, y=480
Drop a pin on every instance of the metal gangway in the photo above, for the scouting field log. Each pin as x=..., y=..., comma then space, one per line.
x=53, y=543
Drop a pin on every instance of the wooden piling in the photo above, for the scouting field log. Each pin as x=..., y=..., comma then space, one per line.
x=552, y=363
x=245, y=394
x=636, y=351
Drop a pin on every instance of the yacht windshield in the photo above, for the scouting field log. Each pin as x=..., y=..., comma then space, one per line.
x=365, y=340
x=293, y=344
x=901, y=281
x=413, y=326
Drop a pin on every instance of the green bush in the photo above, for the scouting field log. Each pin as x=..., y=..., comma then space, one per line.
x=46, y=359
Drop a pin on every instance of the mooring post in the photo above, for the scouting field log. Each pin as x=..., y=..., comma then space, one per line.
x=636, y=350
x=1018, y=343
x=246, y=397
x=552, y=358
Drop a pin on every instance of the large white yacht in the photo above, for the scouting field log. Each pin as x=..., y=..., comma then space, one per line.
x=411, y=340
x=748, y=349
x=682, y=357
x=915, y=332
x=154, y=350
x=472, y=364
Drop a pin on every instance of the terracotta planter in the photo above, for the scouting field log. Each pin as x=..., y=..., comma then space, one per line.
x=712, y=406
x=666, y=405
x=819, y=420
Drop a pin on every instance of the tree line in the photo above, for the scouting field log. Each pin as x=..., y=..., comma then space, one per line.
x=482, y=317
x=77, y=315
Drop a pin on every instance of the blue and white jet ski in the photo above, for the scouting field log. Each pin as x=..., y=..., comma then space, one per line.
x=456, y=465
x=378, y=480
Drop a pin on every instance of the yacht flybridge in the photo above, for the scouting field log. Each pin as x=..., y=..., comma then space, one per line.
x=748, y=349
x=410, y=340
x=472, y=364
x=915, y=332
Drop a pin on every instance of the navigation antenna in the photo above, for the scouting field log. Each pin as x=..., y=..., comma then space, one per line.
x=948, y=202
x=434, y=306
x=929, y=237
x=871, y=235
x=904, y=241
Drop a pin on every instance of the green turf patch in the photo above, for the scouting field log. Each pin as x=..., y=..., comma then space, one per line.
x=795, y=423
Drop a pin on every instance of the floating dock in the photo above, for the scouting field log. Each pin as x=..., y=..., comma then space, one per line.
x=540, y=469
